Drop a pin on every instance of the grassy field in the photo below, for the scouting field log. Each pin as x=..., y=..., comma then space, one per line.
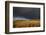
x=26, y=23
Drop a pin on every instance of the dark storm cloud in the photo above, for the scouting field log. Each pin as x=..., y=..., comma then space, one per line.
x=25, y=12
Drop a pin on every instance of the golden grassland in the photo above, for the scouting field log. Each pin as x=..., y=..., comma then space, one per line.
x=26, y=23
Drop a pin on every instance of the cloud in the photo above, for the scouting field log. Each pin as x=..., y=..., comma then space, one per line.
x=28, y=13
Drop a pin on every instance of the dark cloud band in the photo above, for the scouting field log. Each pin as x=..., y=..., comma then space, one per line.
x=26, y=12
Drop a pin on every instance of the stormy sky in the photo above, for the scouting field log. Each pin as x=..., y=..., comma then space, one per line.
x=25, y=12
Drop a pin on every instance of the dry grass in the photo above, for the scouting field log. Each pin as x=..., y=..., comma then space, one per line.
x=26, y=23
